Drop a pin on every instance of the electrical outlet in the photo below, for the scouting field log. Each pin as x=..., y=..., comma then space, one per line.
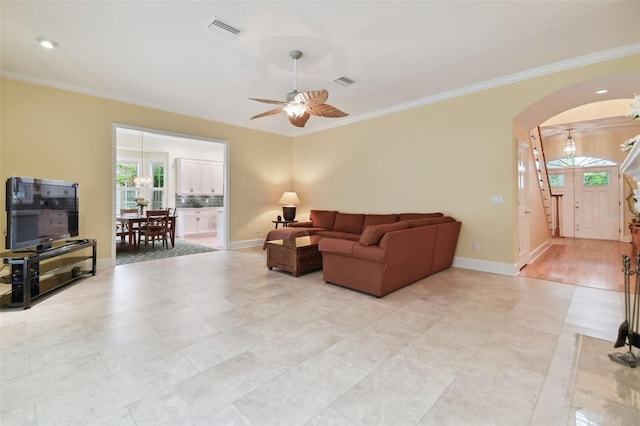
x=475, y=246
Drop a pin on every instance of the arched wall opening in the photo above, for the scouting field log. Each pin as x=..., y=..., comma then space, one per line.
x=575, y=104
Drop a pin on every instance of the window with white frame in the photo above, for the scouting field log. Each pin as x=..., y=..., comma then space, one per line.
x=158, y=187
x=126, y=171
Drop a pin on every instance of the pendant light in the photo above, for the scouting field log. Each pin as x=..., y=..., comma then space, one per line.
x=569, y=147
x=141, y=179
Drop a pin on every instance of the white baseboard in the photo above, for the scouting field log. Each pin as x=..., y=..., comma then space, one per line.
x=246, y=243
x=539, y=250
x=485, y=266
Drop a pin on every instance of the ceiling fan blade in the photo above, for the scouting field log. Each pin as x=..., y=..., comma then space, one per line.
x=265, y=114
x=299, y=121
x=312, y=97
x=269, y=101
x=326, y=110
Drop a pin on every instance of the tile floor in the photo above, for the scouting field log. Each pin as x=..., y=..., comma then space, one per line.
x=217, y=339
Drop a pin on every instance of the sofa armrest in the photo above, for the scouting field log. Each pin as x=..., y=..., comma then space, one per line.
x=336, y=246
x=305, y=224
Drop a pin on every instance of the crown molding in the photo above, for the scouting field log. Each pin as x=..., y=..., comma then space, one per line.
x=568, y=64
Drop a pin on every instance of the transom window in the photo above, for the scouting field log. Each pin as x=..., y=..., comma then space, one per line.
x=578, y=162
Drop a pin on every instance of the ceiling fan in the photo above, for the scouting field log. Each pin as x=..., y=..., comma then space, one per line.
x=299, y=106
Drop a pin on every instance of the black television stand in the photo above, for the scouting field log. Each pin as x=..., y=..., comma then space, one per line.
x=33, y=274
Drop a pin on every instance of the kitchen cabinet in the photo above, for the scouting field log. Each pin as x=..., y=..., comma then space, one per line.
x=196, y=221
x=200, y=177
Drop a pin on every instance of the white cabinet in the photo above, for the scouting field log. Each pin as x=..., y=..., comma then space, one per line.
x=218, y=177
x=200, y=177
x=195, y=221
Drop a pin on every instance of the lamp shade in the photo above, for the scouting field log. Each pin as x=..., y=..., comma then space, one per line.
x=289, y=199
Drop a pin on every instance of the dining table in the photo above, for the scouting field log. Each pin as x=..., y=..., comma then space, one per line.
x=133, y=221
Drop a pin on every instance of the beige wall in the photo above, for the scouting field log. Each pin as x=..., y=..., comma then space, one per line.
x=56, y=134
x=451, y=156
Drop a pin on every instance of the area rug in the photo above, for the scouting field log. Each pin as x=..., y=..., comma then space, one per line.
x=605, y=392
x=182, y=248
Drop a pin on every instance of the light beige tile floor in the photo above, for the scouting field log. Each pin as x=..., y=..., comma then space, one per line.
x=217, y=339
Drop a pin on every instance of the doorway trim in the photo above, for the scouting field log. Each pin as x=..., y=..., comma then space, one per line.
x=114, y=156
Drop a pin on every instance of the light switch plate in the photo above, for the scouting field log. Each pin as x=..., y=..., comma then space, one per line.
x=496, y=199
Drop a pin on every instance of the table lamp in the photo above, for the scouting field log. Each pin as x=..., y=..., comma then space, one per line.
x=289, y=201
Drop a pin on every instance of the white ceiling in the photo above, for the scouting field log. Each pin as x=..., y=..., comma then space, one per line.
x=400, y=54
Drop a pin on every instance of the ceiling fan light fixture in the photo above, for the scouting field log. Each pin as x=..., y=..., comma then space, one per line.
x=295, y=110
x=299, y=106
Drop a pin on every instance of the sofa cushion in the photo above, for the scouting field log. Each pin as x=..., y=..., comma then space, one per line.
x=306, y=224
x=323, y=218
x=373, y=234
x=409, y=216
x=414, y=223
x=335, y=245
x=349, y=222
x=443, y=219
x=342, y=235
x=378, y=219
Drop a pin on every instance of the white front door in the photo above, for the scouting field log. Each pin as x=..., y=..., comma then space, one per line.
x=597, y=203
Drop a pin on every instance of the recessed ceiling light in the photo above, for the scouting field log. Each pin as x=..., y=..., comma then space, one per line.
x=47, y=43
x=601, y=92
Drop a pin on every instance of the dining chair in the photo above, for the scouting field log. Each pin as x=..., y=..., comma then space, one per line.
x=171, y=223
x=156, y=228
x=122, y=233
x=123, y=226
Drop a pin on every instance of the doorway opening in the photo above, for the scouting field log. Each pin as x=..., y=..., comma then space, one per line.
x=157, y=170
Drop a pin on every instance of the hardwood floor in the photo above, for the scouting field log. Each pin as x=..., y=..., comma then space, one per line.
x=589, y=263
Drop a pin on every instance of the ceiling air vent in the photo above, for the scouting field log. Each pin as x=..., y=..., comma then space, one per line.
x=344, y=81
x=217, y=25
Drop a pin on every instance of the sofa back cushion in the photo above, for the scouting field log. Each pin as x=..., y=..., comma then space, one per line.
x=409, y=216
x=378, y=219
x=349, y=222
x=414, y=223
x=374, y=233
x=323, y=218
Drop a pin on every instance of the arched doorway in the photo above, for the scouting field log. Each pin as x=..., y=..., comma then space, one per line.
x=562, y=106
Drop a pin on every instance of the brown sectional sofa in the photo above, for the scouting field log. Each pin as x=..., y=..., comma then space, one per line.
x=379, y=253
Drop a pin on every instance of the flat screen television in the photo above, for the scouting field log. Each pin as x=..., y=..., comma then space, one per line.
x=39, y=212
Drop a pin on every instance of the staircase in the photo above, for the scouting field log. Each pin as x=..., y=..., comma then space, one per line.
x=543, y=179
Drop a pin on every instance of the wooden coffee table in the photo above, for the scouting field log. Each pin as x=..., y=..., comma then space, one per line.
x=296, y=255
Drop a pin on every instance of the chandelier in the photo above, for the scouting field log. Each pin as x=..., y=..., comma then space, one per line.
x=141, y=179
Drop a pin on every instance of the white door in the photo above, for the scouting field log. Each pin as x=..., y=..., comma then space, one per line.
x=523, y=207
x=597, y=203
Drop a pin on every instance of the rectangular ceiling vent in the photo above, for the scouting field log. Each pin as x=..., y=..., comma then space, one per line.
x=217, y=25
x=344, y=81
